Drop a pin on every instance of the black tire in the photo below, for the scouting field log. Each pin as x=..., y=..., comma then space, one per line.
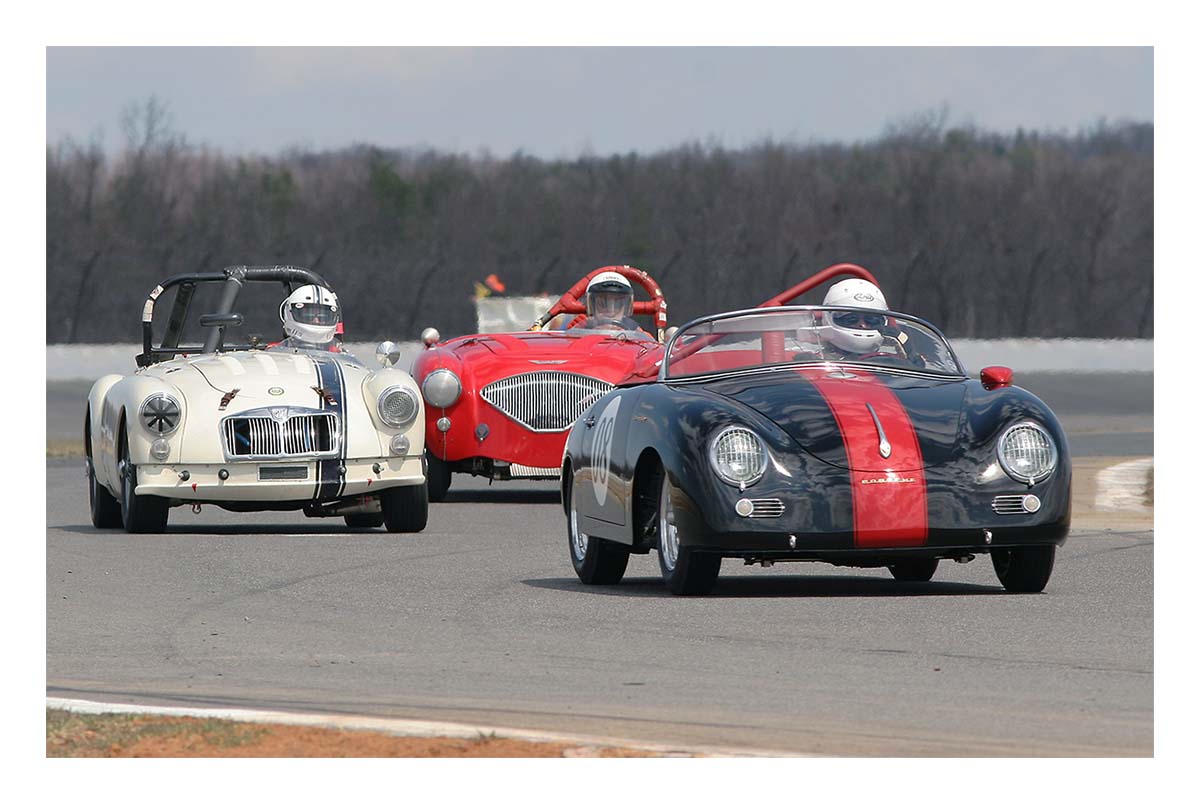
x=914, y=569
x=596, y=561
x=106, y=511
x=363, y=520
x=139, y=513
x=405, y=508
x=685, y=570
x=1024, y=570
x=437, y=475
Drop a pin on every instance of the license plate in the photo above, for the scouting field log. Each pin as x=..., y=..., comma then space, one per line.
x=283, y=473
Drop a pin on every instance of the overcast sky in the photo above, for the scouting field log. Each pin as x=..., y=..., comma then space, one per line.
x=560, y=102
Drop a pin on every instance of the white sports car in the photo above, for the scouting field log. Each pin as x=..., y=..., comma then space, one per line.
x=252, y=427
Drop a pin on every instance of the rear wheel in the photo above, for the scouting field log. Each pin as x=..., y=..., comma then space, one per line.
x=405, y=508
x=913, y=569
x=363, y=520
x=437, y=474
x=139, y=513
x=686, y=571
x=1025, y=570
x=596, y=561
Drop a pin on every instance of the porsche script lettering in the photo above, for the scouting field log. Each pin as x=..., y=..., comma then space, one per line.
x=889, y=480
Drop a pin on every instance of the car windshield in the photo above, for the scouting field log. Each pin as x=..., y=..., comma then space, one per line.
x=791, y=335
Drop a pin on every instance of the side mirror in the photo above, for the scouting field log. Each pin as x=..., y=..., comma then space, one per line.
x=996, y=377
x=430, y=336
x=387, y=353
x=221, y=320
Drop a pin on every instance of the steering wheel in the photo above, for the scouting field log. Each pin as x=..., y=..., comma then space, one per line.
x=571, y=301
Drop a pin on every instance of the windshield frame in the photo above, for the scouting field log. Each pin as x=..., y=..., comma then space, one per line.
x=683, y=331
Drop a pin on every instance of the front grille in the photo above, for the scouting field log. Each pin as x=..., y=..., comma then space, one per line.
x=545, y=401
x=767, y=508
x=252, y=435
x=1009, y=504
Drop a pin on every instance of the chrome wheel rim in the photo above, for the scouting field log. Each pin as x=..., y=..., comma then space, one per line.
x=668, y=534
x=579, y=540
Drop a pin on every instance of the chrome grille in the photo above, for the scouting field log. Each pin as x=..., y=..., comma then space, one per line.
x=521, y=470
x=767, y=508
x=1009, y=504
x=253, y=435
x=545, y=401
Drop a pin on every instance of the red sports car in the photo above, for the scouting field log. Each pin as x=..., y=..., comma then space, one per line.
x=500, y=405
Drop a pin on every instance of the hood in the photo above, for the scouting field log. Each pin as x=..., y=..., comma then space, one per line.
x=490, y=357
x=825, y=410
x=261, y=378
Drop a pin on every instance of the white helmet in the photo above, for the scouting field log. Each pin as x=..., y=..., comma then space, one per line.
x=609, y=297
x=852, y=331
x=311, y=314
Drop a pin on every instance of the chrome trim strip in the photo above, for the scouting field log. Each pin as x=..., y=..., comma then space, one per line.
x=885, y=447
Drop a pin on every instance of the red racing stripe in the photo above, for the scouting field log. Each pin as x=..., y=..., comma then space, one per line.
x=888, y=494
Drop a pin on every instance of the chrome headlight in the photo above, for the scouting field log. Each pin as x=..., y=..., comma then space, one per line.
x=442, y=388
x=160, y=414
x=738, y=456
x=1027, y=452
x=398, y=406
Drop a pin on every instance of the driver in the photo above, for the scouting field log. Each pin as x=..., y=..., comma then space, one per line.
x=850, y=334
x=311, y=319
x=609, y=302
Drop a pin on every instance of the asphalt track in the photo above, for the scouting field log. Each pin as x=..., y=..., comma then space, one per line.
x=479, y=619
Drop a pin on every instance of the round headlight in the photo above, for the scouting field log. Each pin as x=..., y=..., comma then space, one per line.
x=738, y=456
x=160, y=414
x=442, y=388
x=398, y=406
x=1027, y=452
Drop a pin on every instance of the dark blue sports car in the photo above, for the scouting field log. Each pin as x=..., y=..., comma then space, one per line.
x=761, y=440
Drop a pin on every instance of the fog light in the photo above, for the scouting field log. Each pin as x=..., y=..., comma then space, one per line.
x=744, y=507
x=443, y=424
x=160, y=449
x=400, y=445
x=1031, y=503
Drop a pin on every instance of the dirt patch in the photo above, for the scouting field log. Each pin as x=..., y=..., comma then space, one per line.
x=64, y=448
x=74, y=735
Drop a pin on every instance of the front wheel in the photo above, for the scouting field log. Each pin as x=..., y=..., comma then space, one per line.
x=405, y=508
x=914, y=569
x=686, y=571
x=139, y=513
x=437, y=474
x=1025, y=570
x=106, y=511
x=596, y=561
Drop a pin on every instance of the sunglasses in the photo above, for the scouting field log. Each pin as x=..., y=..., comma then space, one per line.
x=859, y=320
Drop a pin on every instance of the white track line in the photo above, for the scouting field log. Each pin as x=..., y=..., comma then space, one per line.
x=1123, y=487
x=397, y=727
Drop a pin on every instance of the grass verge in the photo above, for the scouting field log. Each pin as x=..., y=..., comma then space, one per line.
x=70, y=734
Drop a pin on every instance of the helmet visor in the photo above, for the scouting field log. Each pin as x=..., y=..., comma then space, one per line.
x=856, y=320
x=320, y=315
x=609, y=305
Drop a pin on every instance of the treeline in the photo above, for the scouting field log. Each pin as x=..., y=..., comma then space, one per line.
x=985, y=234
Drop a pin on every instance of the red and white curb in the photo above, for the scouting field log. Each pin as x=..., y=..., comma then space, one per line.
x=1123, y=487
x=401, y=728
